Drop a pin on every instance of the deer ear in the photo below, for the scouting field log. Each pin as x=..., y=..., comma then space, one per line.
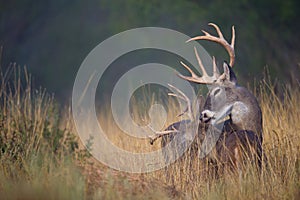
x=229, y=74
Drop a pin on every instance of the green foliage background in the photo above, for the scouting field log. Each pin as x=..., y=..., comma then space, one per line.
x=53, y=37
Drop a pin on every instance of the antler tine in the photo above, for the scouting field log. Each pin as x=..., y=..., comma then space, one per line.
x=189, y=69
x=229, y=47
x=196, y=79
x=200, y=63
x=215, y=70
x=218, y=30
x=233, y=37
x=216, y=73
x=182, y=96
x=204, y=79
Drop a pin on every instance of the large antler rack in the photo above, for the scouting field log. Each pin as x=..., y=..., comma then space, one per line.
x=216, y=77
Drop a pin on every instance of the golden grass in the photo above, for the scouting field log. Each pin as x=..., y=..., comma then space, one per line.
x=40, y=157
x=280, y=177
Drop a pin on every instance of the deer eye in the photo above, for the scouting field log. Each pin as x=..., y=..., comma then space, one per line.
x=217, y=91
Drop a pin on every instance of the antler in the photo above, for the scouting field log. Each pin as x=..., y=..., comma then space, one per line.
x=182, y=96
x=158, y=134
x=188, y=110
x=220, y=40
x=204, y=79
x=216, y=77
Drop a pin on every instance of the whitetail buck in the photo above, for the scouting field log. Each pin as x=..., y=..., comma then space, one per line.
x=240, y=137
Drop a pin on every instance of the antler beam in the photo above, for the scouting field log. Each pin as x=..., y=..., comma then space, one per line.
x=220, y=40
x=158, y=134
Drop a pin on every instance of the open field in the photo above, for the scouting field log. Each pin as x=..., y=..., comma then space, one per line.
x=41, y=156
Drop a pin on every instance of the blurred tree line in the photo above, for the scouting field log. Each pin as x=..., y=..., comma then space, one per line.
x=53, y=37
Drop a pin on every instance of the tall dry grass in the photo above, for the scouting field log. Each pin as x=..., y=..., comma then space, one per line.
x=280, y=175
x=40, y=155
x=35, y=153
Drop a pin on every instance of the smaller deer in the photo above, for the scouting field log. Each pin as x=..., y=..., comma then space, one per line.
x=240, y=139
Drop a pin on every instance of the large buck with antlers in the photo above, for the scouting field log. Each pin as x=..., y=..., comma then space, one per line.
x=240, y=137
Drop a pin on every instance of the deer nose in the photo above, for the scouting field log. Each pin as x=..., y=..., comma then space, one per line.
x=206, y=116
